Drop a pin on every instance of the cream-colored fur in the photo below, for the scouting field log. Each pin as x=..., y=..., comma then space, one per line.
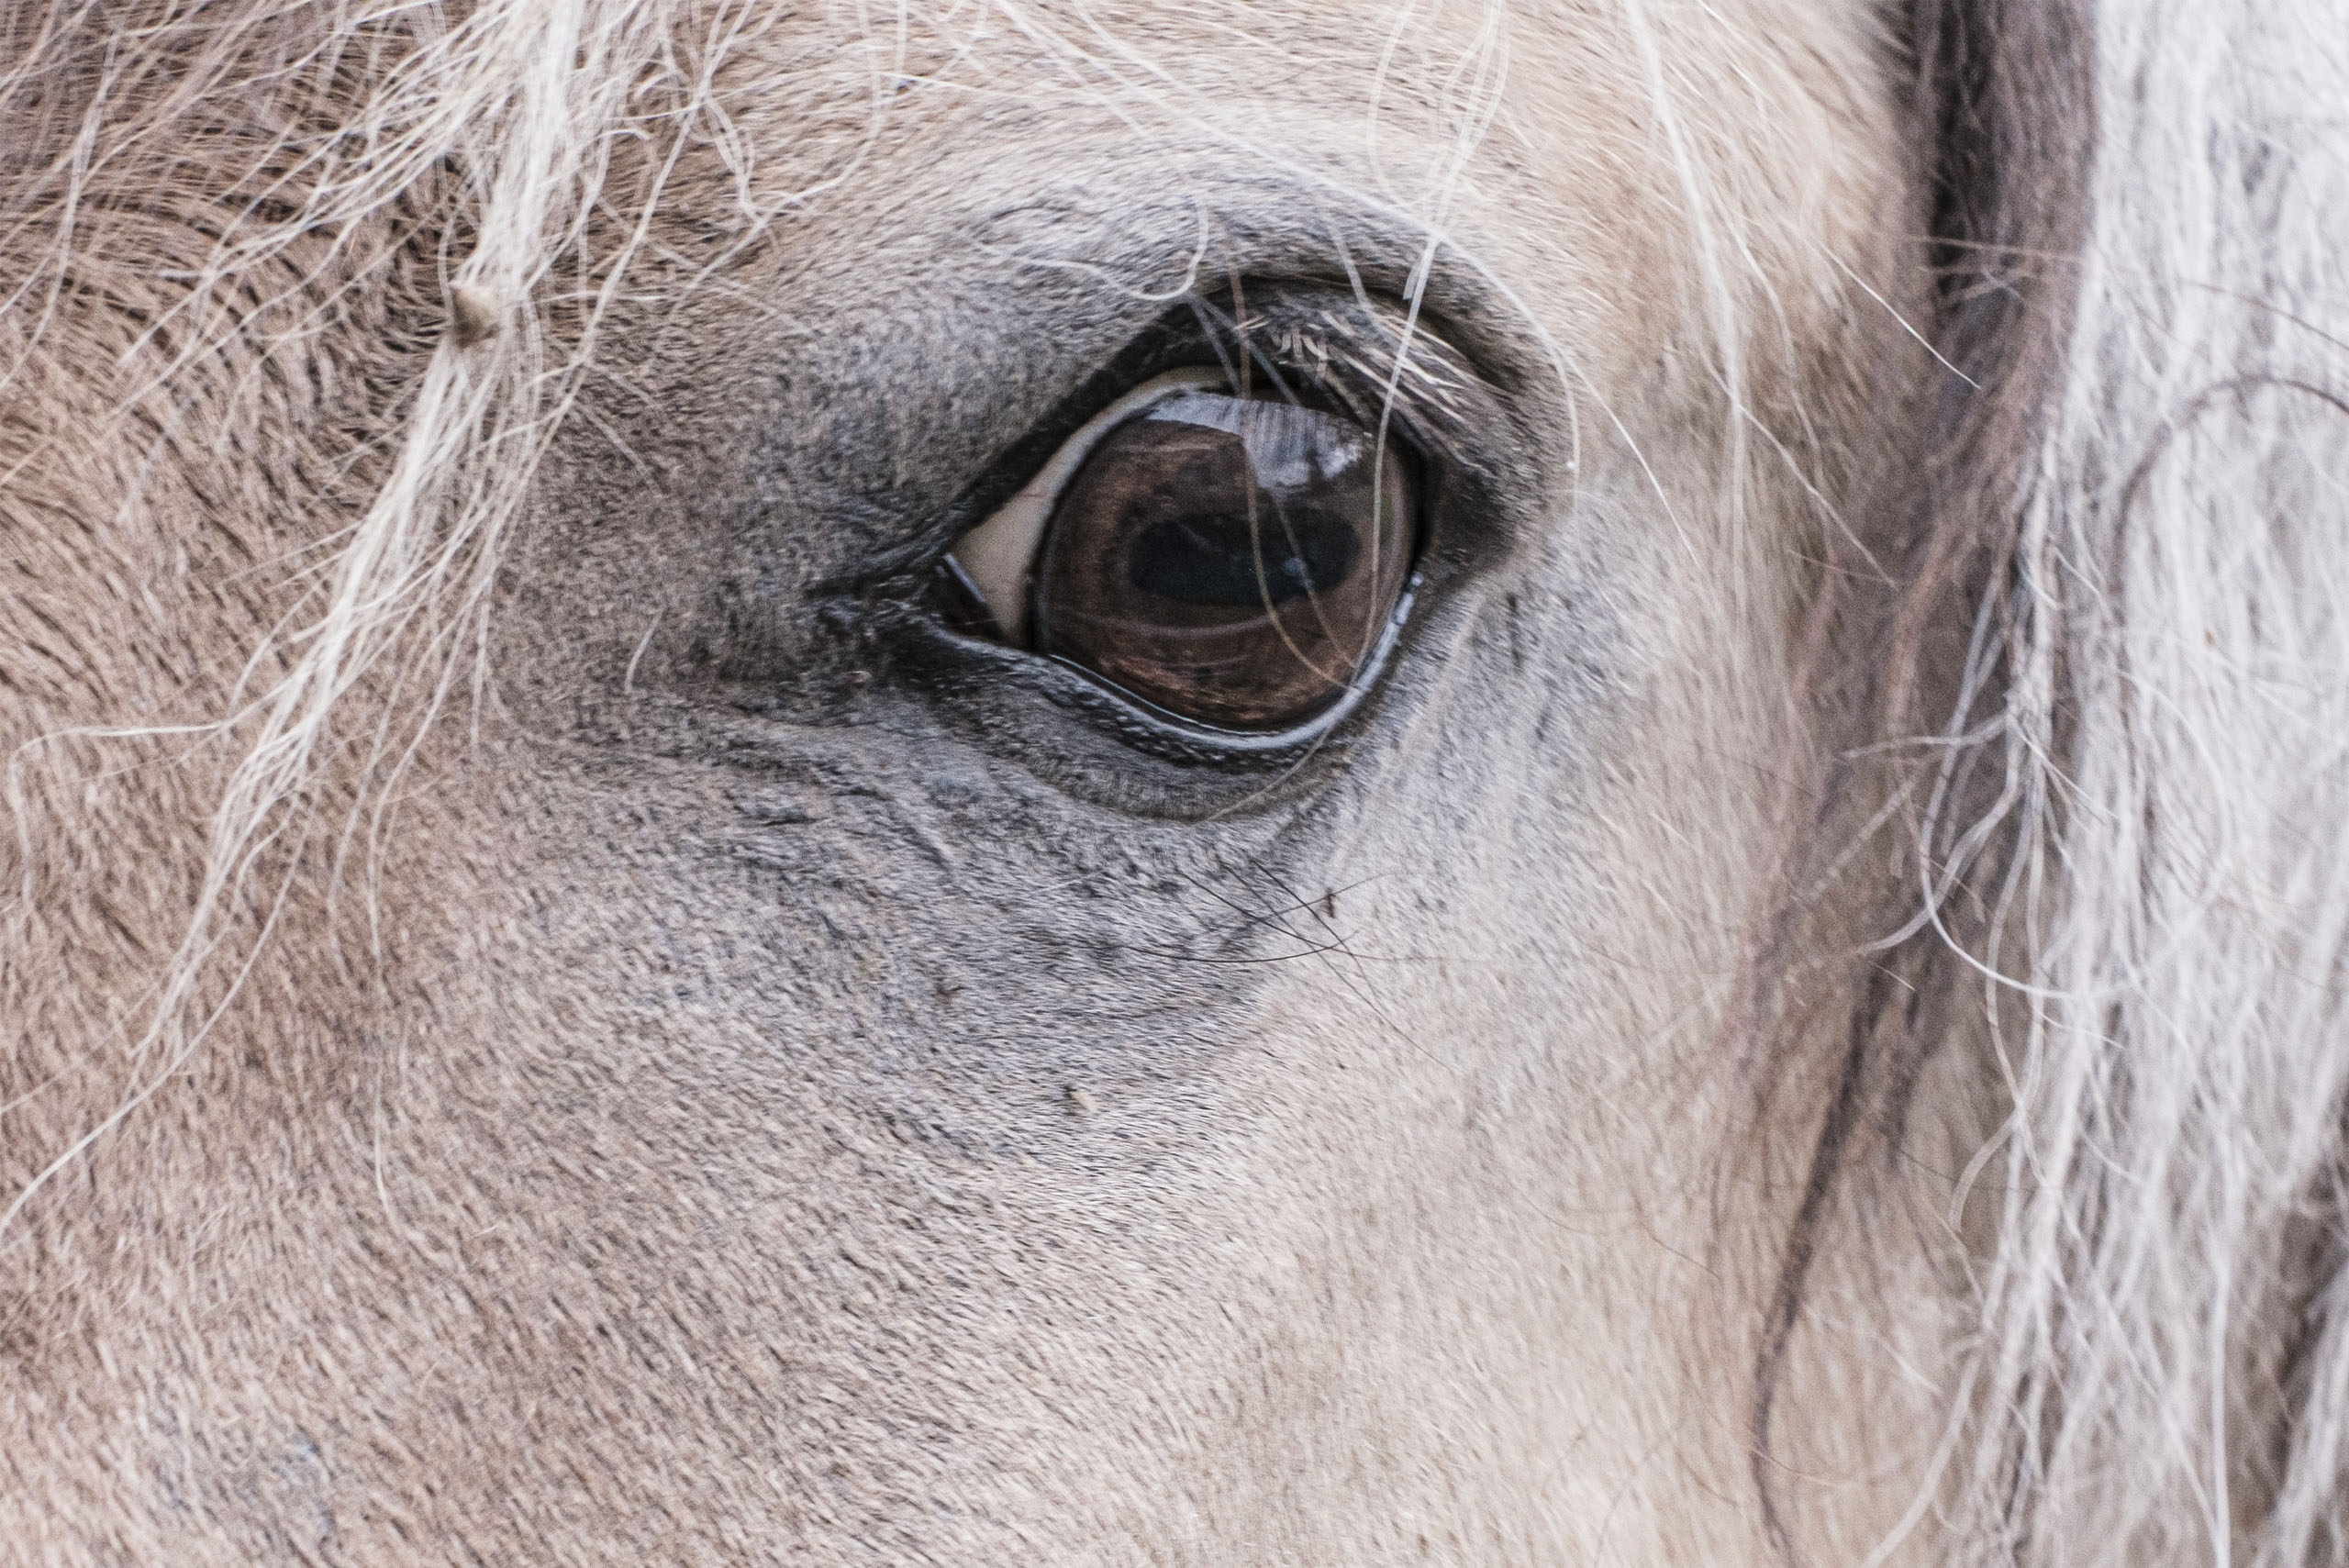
x=532, y=1037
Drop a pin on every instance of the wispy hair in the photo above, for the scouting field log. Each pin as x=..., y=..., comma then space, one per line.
x=486, y=134
x=2103, y=713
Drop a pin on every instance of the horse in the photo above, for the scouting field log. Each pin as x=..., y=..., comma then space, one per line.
x=1020, y=780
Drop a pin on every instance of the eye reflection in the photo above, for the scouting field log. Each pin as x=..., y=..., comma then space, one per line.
x=1233, y=560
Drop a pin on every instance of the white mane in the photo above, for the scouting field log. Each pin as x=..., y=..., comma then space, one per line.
x=2162, y=1366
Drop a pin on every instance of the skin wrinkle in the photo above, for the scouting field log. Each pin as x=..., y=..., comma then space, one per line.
x=564, y=1025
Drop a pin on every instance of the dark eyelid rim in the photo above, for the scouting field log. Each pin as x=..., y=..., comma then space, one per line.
x=1465, y=463
x=1278, y=744
x=955, y=660
x=1182, y=337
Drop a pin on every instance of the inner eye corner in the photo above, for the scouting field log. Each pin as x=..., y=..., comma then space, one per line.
x=1232, y=559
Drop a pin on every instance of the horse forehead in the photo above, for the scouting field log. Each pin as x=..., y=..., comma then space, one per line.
x=925, y=178
x=1780, y=132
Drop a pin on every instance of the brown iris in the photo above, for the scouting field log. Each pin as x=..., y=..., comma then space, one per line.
x=1232, y=559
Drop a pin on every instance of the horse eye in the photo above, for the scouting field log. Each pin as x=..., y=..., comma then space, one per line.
x=1233, y=560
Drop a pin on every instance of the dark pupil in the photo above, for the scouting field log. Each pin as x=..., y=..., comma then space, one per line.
x=1226, y=559
x=1212, y=558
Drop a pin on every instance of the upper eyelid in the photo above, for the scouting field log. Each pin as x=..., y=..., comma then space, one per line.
x=1302, y=345
x=1447, y=408
x=1357, y=350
